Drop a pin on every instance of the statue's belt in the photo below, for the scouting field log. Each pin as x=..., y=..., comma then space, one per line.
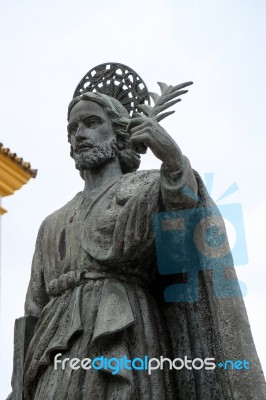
x=75, y=278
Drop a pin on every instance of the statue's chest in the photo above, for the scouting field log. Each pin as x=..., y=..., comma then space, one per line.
x=86, y=221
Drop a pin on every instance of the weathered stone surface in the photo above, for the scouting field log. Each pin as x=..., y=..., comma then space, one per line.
x=23, y=333
x=95, y=286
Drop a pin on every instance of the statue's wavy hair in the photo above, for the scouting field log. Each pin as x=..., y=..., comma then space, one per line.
x=119, y=117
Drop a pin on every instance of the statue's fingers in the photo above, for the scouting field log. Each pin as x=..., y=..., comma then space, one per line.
x=134, y=122
x=141, y=135
x=140, y=148
x=139, y=142
x=142, y=128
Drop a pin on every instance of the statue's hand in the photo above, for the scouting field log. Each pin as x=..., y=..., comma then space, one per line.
x=147, y=132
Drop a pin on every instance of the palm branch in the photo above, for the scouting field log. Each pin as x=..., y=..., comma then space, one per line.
x=164, y=100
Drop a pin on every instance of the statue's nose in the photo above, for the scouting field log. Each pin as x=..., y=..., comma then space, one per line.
x=81, y=132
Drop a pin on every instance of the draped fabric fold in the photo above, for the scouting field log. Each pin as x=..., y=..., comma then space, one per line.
x=114, y=312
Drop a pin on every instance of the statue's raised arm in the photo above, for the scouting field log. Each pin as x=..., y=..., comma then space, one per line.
x=146, y=132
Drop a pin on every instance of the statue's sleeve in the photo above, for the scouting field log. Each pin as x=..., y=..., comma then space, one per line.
x=37, y=296
x=179, y=189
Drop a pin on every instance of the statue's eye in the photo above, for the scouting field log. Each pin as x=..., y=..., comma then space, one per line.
x=92, y=122
x=72, y=129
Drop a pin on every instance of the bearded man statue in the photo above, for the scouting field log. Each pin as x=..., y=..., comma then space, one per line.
x=95, y=291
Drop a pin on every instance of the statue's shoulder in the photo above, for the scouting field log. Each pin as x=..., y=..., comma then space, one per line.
x=59, y=215
x=136, y=183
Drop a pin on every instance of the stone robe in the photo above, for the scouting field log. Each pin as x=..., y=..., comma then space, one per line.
x=95, y=288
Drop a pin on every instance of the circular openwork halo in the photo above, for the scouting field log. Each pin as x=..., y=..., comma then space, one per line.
x=118, y=81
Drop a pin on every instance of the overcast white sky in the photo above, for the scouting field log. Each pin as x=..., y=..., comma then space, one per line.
x=47, y=47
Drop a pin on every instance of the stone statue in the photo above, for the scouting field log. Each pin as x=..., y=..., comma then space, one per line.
x=95, y=292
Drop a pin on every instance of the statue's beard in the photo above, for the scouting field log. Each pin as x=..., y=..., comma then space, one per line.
x=95, y=156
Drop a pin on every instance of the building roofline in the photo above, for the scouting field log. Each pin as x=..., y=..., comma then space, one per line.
x=18, y=160
x=14, y=172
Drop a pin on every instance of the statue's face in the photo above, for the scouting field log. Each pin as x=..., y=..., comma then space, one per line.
x=91, y=135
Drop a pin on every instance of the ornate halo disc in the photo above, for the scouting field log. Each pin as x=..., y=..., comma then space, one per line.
x=118, y=81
